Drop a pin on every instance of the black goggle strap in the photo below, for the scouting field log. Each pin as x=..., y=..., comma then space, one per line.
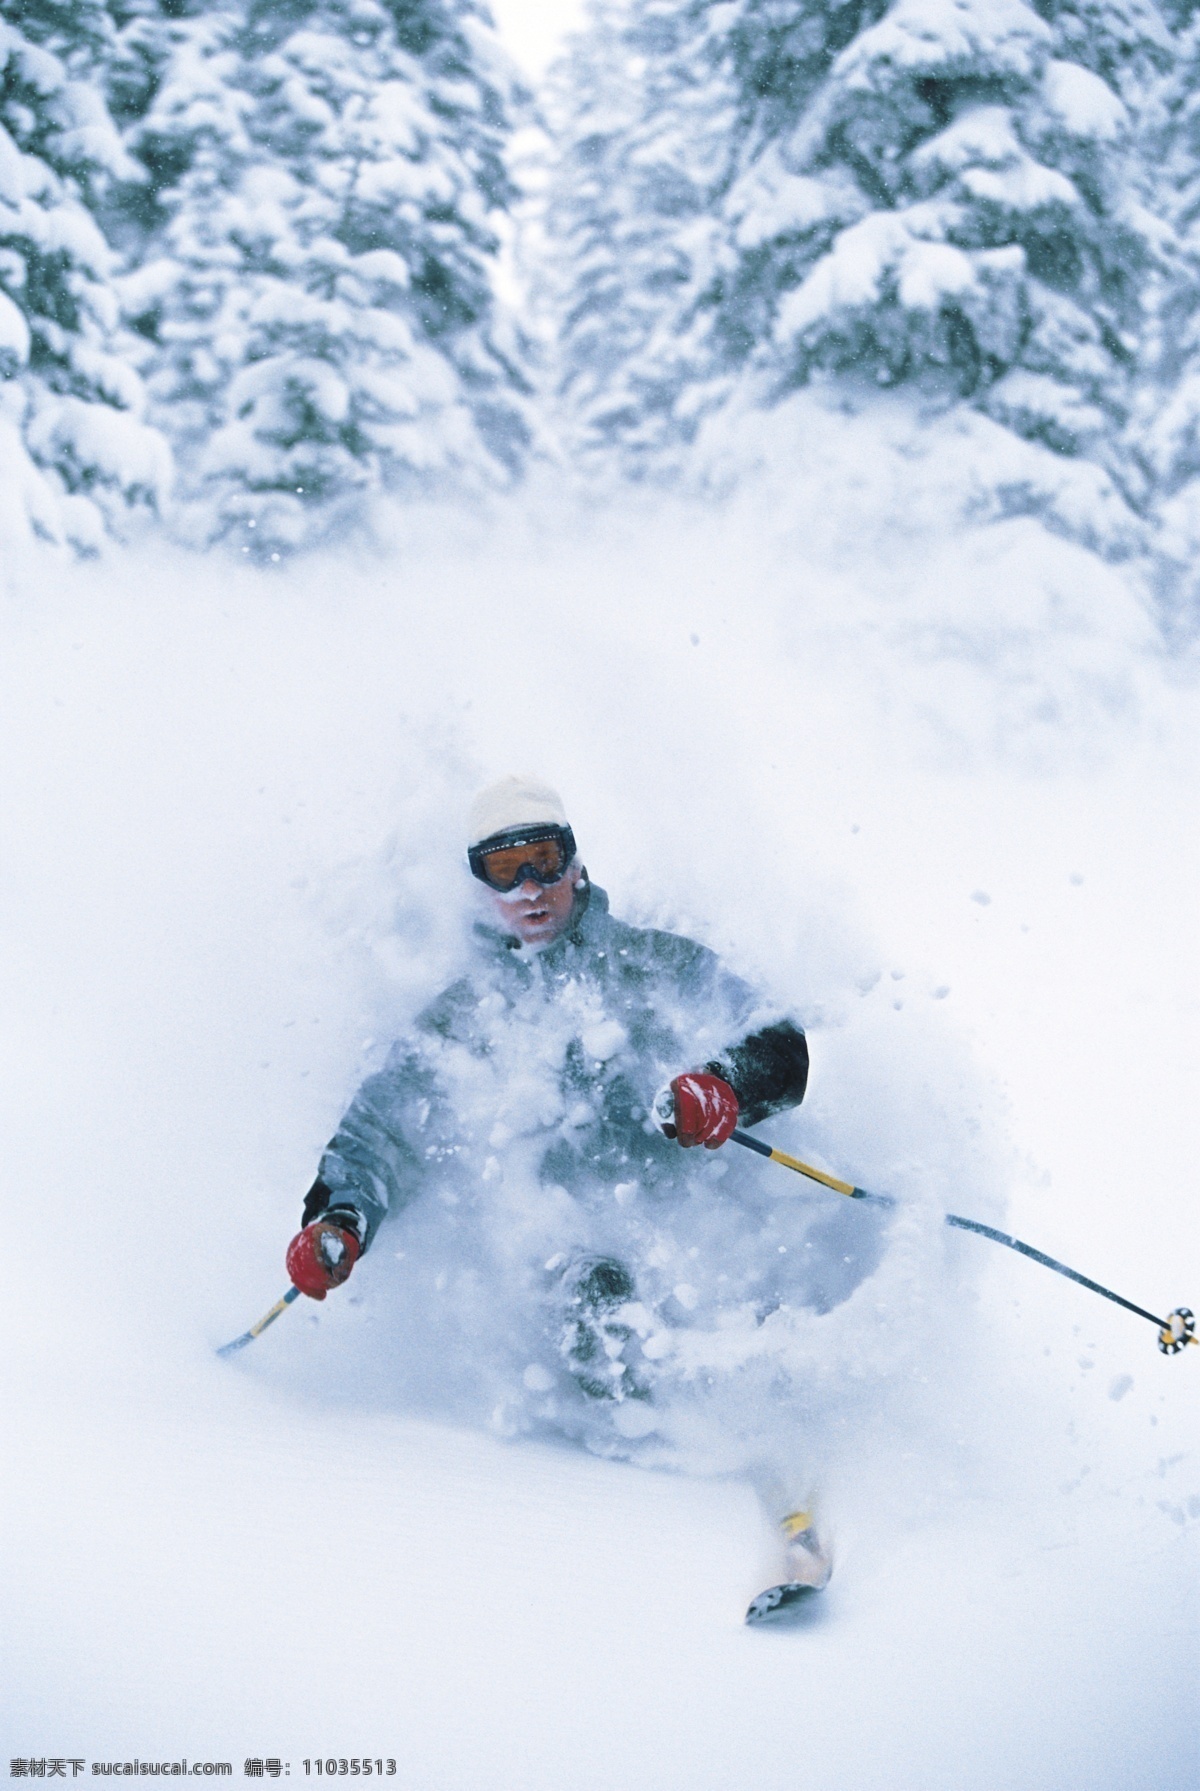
x=520, y=836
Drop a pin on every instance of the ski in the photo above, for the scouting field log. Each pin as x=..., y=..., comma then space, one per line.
x=781, y=1603
x=810, y=1564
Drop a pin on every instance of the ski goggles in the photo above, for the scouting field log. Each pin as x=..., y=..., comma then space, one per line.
x=540, y=853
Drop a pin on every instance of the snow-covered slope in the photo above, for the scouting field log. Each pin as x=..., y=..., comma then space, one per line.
x=938, y=788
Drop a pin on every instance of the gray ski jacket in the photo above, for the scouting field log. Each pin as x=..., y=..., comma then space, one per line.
x=558, y=1053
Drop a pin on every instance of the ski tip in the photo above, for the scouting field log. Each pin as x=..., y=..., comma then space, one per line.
x=786, y=1603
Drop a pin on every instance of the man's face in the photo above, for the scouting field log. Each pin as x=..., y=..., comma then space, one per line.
x=535, y=914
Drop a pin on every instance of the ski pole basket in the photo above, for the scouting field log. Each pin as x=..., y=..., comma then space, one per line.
x=1178, y=1331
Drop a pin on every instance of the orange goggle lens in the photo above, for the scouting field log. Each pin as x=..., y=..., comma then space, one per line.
x=507, y=866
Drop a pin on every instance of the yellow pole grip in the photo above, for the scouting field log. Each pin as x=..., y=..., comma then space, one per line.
x=816, y=1175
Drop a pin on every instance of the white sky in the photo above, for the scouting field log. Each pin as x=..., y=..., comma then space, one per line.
x=533, y=29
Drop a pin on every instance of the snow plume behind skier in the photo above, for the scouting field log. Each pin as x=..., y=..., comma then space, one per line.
x=540, y=1252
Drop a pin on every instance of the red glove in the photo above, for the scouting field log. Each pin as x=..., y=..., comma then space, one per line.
x=320, y=1257
x=706, y=1110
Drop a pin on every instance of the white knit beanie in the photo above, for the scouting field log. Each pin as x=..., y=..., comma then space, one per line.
x=514, y=802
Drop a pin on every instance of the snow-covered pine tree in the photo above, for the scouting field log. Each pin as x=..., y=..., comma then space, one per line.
x=998, y=245
x=317, y=308
x=1165, y=430
x=642, y=113
x=66, y=397
x=936, y=192
x=153, y=41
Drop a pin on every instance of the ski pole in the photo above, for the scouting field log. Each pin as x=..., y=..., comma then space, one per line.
x=816, y=1175
x=268, y=1318
x=1175, y=1331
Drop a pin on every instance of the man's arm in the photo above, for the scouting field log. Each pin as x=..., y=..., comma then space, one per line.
x=322, y=1203
x=371, y=1166
x=767, y=1071
x=764, y=1071
x=767, y=1066
x=368, y=1169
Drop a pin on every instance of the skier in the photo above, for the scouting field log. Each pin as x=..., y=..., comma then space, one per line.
x=573, y=1014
